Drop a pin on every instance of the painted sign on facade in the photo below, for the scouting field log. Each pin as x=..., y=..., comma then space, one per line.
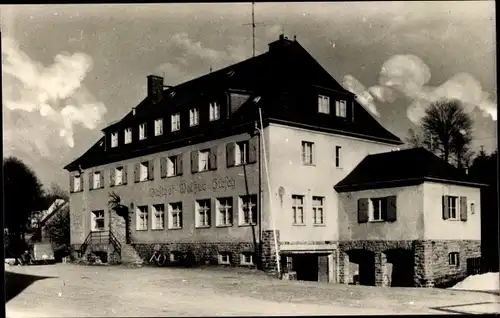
x=194, y=187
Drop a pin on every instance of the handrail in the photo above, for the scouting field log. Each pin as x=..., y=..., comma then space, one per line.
x=85, y=244
x=100, y=237
x=114, y=241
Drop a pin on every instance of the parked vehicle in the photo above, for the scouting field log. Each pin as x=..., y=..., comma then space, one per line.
x=43, y=253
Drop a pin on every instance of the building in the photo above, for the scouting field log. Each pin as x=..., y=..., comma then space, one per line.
x=234, y=167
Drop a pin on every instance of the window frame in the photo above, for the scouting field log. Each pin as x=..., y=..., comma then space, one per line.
x=241, y=158
x=338, y=156
x=96, y=182
x=194, y=117
x=324, y=105
x=127, y=133
x=243, y=260
x=75, y=188
x=120, y=170
x=295, y=208
x=143, y=133
x=143, y=166
x=175, y=119
x=318, y=207
x=214, y=111
x=114, y=139
x=224, y=211
x=95, y=218
x=201, y=154
x=341, y=108
x=252, y=208
x=381, y=204
x=158, y=126
x=307, y=159
x=175, y=208
x=158, y=214
x=221, y=258
x=455, y=209
x=206, y=211
x=172, y=165
x=144, y=215
x=454, y=259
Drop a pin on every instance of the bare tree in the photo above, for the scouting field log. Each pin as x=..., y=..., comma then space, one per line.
x=447, y=131
x=414, y=139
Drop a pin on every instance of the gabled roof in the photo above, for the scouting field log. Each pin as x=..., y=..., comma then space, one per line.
x=401, y=168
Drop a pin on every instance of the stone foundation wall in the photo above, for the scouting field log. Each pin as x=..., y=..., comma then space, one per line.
x=204, y=253
x=269, y=262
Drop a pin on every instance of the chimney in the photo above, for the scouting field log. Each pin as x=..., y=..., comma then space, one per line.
x=155, y=88
x=282, y=42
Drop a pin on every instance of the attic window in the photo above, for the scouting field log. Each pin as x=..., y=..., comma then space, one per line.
x=172, y=94
x=101, y=143
x=256, y=99
x=230, y=73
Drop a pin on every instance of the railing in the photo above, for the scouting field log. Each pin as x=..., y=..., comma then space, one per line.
x=100, y=238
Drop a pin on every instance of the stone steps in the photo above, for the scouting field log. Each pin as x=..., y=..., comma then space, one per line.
x=129, y=255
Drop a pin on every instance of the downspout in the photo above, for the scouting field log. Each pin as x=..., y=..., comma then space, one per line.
x=260, y=195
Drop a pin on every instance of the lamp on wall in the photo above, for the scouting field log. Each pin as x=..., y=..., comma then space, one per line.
x=281, y=192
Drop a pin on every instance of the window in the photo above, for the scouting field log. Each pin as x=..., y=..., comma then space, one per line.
x=142, y=131
x=246, y=258
x=241, y=151
x=298, y=209
x=225, y=211
x=119, y=176
x=379, y=206
x=142, y=218
x=203, y=213
x=323, y=104
x=114, y=140
x=248, y=210
x=98, y=220
x=143, y=171
x=454, y=259
x=337, y=156
x=176, y=121
x=203, y=158
x=175, y=217
x=214, y=111
x=77, y=183
x=158, y=217
x=225, y=258
x=172, y=167
x=318, y=210
x=307, y=153
x=453, y=207
x=194, y=117
x=471, y=208
x=341, y=108
x=128, y=135
x=159, y=127
x=96, y=180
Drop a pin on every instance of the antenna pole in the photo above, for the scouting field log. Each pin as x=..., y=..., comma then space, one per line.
x=254, y=25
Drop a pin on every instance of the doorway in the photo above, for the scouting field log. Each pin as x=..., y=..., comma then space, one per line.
x=365, y=264
x=402, y=267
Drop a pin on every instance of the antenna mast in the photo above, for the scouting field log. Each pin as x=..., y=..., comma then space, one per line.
x=254, y=25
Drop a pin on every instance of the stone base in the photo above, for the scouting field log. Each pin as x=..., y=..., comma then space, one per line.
x=423, y=263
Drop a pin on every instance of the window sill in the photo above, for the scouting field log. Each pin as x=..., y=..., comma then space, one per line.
x=319, y=224
x=162, y=229
x=222, y=226
x=453, y=220
x=141, y=181
x=299, y=224
x=98, y=230
x=224, y=263
x=172, y=176
x=246, y=225
x=175, y=228
x=203, y=226
x=309, y=164
x=247, y=264
x=117, y=185
x=93, y=189
x=141, y=230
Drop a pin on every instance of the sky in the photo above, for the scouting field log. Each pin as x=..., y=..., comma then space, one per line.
x=70, y=70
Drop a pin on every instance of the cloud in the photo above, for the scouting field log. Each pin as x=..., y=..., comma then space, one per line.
x=44, y=104
x=363, y=96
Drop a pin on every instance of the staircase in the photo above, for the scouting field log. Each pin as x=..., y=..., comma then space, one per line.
x=129, y=255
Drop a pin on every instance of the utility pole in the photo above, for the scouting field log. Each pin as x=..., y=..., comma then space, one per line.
x=254, y=25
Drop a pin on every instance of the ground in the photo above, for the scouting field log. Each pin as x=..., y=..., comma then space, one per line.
x=77, y=291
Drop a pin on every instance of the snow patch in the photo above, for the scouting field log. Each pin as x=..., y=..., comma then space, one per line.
x=481, y=282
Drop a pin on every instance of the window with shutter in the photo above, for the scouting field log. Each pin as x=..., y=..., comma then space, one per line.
x=362, y=210
x=194, y=161
x=212, y=160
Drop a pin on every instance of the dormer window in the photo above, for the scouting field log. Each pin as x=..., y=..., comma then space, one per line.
x=128, y=135
x=341, y=108
x=114, y=140
x=214, y=111
x=159, y=127
x=194, y=117
x=323, y=104
x=142, y=131
x=176, y=121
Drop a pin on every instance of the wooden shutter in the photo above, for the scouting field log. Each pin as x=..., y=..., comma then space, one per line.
x=124, y=174
x=163, y=167
x=362, y=210
x=213, y=209
x=209, y=214
x=101, y=178
x=137, y=172
x=151, y=169
x=463, y=208
x=179, y=164
x=391, y=210
x=81, y=183
x=194, y=161
x=112, y=177
x=212, y=158
x=253, y=149
x=71, y=183
x=91, y=180
x=230, y=154
x=446, y=211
